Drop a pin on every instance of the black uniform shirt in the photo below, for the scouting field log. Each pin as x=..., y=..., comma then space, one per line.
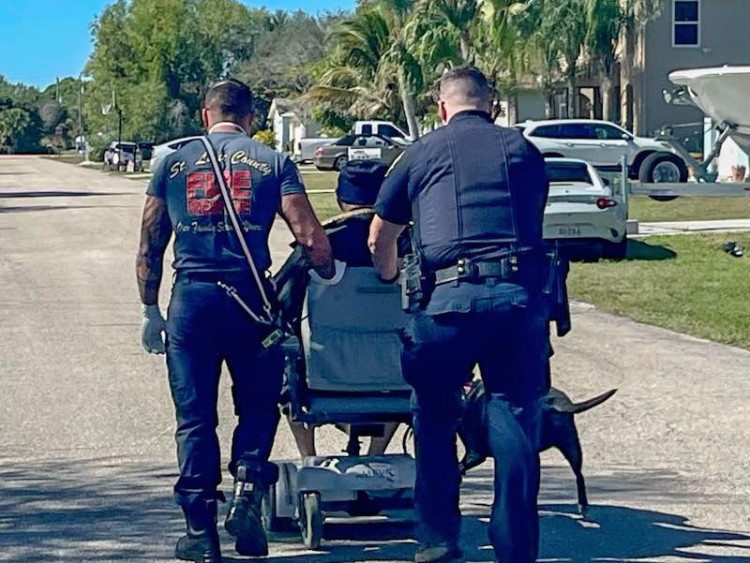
x=474, y=190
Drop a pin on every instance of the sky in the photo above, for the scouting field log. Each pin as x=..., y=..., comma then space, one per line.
x=44, y=39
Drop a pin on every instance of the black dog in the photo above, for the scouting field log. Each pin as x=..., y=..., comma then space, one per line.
x=558, y=430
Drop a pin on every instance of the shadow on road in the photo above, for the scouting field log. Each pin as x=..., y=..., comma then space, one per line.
x=31, y=208
x=10, y=195
x=105, y=509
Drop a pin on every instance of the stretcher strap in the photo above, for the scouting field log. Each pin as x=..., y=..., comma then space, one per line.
x=234, y=219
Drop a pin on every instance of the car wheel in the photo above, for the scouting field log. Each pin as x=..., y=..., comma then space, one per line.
x=663, y=168
x=339, y=163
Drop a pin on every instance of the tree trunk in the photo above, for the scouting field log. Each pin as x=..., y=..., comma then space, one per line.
x=607, y=94
x=572, y=112
x=548, y=105
x=465, y=45
x=407, y=100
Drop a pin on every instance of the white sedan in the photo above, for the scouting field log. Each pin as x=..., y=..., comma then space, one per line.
x=582, y=211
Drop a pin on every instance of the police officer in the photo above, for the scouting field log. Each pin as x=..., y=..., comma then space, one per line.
x=476, y=194
x=205, y=327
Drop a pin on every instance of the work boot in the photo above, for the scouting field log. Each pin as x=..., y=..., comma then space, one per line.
x=439, y=553
x=244, y=516
x=201, y=543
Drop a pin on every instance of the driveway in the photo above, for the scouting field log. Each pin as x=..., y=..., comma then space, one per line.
x=86, y=448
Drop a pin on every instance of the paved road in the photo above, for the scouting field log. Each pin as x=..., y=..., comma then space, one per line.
x=86, y=454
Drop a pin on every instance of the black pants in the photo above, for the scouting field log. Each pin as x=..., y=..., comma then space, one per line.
x=206, y=328
x=508, y=340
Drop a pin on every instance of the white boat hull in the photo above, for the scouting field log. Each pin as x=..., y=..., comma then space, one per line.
x=723, y=93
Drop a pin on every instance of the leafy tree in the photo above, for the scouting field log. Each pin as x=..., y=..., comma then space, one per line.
x=158, y=57
x=285, y=49
x=371, y=70
x=20, y=124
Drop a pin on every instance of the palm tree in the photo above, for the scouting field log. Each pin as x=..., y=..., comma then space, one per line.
x=569, y=19
x=439, y=23
x=605, y=21
x=371, y=64
x=501, y=47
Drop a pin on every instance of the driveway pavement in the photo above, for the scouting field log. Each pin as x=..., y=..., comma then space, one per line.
x=691, y=227
x=86, y=423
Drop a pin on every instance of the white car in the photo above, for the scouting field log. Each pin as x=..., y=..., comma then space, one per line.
x=582, y=211
x=604, y=144
x=163, y=150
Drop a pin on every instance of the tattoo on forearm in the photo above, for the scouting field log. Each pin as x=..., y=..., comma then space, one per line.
x=156, y=230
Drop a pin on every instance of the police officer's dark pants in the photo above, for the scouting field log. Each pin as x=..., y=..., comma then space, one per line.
x=206, y=328
x=509, y=342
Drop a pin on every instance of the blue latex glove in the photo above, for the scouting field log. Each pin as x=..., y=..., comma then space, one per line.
x=152, y=327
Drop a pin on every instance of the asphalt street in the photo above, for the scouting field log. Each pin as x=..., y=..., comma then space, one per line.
x=86, y=422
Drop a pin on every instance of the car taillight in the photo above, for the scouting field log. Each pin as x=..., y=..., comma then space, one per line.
x=605, y=203
x=318, y=151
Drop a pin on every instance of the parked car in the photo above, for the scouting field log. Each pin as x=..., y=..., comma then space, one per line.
x=304, y=151
x=117, y=156
x=336, y=154
x=385, y=128
x=604, y=144
x=160, y=152
x=582, y=210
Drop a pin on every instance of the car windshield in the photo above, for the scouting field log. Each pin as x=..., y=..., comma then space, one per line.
x=565, y=172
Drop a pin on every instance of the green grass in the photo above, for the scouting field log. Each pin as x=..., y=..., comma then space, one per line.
x=324, y=204
x=690, y=208
x=685, y=283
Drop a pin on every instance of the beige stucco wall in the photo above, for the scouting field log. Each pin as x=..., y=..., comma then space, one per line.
x=725, y=39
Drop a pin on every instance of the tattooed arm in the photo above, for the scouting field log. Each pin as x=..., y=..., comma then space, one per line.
x=156, y=230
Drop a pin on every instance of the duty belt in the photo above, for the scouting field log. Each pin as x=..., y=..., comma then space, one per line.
x=476, y=270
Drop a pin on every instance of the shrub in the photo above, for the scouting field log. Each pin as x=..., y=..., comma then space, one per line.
x=267, y=137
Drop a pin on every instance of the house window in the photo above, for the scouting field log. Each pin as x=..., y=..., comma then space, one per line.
x=686, y=26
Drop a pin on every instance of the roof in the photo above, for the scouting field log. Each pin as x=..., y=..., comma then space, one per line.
x=300, y=109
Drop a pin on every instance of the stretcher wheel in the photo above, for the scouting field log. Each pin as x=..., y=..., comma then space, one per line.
x=272, y=522
x=311, y=520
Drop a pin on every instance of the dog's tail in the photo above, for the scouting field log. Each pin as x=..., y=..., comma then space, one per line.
x=575, y=408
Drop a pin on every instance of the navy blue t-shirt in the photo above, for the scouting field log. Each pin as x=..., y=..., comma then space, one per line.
x=257, y=178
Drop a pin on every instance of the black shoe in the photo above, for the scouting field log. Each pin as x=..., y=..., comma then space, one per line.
x=201, y=543
x=439, y=553
x=244, y=519
x=199, y=549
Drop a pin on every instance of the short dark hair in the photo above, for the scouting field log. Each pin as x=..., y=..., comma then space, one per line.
x=473, y=84
x=230, y=98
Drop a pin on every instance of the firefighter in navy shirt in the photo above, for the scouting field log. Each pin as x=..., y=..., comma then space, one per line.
x=476, y=194
x=205, y=328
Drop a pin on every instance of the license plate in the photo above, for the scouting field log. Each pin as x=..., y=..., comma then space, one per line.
x=569, y=231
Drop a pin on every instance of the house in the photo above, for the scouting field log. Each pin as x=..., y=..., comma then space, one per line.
x=685, y=34
x=291, y=121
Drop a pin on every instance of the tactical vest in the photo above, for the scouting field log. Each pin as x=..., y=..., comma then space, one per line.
x=472, y=203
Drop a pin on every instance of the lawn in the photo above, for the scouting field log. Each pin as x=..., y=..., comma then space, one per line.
x=690, y=208
x=685, y=283
x=325, y=204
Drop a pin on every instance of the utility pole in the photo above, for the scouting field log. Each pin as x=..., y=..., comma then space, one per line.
x=119, y=129
x=80, y=107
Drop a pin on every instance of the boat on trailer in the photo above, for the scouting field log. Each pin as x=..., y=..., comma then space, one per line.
x=723, y=93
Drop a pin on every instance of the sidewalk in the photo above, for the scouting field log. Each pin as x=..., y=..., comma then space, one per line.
x=689, y=227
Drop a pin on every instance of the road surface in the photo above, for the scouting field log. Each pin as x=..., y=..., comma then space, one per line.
x=86, y=424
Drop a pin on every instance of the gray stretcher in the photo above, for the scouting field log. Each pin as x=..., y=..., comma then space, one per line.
x=345, y=370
